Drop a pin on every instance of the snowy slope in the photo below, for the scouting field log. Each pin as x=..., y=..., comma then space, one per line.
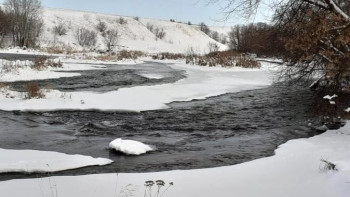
x=133, y=36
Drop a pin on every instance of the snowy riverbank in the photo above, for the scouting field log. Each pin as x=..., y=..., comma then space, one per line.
x=295, y=170
x=200, y=83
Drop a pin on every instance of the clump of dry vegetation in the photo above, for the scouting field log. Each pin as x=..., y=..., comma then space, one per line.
x=39, y=63
x=59, y=50
x=124, y=54
x=106, y=58
x=3, y=85
x=223, y=58
x=33, y=90
x=43, y=62
x=169, y=56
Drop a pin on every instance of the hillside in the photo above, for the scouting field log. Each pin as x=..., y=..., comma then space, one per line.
x=134, y=34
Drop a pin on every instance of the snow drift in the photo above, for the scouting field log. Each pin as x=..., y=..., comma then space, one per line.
x=130, y=147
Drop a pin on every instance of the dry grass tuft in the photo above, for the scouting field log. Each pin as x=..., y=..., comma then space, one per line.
x=39, y=63
x=3, y=85
x=33, y=90
x=124, y=54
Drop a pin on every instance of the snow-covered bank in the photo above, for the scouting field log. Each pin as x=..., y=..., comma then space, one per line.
x=11, y=71
x=29, y=161
x=200, y=83
x=295, y=170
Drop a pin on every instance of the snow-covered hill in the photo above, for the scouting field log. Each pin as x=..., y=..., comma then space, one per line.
x=134, y=35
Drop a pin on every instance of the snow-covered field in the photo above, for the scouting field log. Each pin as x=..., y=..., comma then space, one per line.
x=200, y=83
x=295, y=170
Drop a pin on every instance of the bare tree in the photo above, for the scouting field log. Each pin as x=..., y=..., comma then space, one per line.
x=110, y=38
x=101, y=26
x=85, y=37
x=60, y=29
x=26, y=21
x=317, y=41
x=4, y=26
x=204, y=28
x=159, y=33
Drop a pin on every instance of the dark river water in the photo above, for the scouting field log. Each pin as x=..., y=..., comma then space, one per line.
x=218, y=131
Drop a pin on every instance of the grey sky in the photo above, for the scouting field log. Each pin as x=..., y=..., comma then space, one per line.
x=181, y=10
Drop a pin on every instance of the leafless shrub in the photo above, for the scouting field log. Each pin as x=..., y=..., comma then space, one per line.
x=85, y=37
x=150, y=27
x=136, y=18
x=101, y=26
x=172, y=20
x=204, y=28
x=214, y=35
x=60, y=29
x=124, y=54
x=122, y=21
x=159, y=33
x=189, y=23
x=110, y=38
x=33, y=90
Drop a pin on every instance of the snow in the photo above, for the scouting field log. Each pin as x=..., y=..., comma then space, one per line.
x=30, y=161
x=134, y=35
x=22, y=71
x=295, y=170
x=330, y=97
x=152, y=75
x=200, y=83
x=130, y=147
x=332, y=102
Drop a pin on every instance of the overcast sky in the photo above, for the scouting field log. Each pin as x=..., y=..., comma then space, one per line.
x=181, y=10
